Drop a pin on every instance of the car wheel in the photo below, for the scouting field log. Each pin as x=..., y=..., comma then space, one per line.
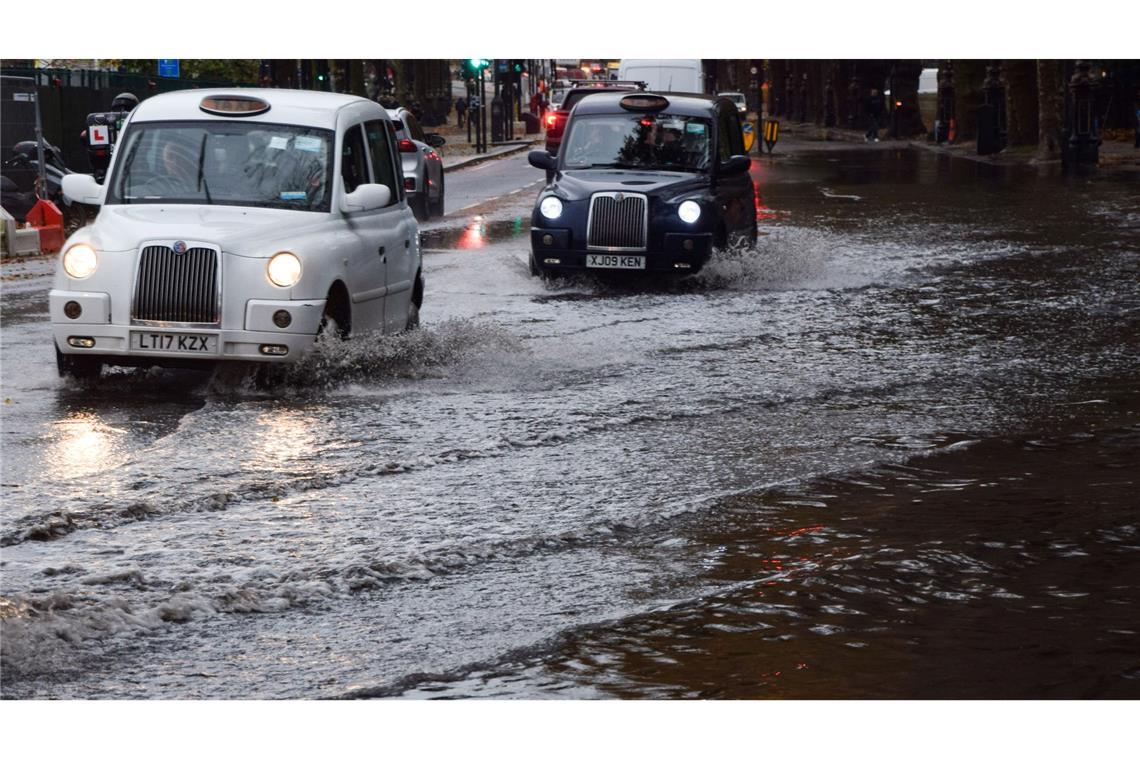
x=77, y=367
x=337, y=316
x=437, y=207
x=414, y=304
x=419, y=204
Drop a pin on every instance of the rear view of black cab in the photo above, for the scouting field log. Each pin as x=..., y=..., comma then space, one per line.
x=643, y=182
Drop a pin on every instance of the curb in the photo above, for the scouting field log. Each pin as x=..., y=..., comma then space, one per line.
x=473, y=160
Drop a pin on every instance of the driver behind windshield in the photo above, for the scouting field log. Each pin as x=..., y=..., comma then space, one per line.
x=652, y=141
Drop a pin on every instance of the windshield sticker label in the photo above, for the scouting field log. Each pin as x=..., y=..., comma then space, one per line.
x=293, y=195
x=306, y=142
x=278, y=143
x=695, y=128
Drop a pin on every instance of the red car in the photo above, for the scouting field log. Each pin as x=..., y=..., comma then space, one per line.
x=556, y=119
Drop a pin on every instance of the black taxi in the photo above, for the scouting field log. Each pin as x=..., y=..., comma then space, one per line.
x=644, y=182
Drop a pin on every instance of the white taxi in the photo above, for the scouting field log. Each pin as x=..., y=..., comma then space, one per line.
x=235, y=225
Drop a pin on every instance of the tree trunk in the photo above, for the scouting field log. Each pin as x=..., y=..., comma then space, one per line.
x=969, y=75
x=1050, y=108
x=1021, y=102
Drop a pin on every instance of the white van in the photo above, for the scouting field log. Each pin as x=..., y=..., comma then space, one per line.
x=664, y=74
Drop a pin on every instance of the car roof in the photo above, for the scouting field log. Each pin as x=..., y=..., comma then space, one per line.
x=681, y=104
x=575, y=94
x=299, y=107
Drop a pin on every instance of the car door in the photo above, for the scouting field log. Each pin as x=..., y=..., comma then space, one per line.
x=370, y=238
x=734, y=194
x=399, y=226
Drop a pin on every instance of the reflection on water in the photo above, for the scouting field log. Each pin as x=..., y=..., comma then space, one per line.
x=83, y=445
x=478, y=232
x=281, y=437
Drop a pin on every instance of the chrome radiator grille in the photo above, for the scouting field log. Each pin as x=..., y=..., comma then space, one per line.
x=177, y=287
x=617, y=222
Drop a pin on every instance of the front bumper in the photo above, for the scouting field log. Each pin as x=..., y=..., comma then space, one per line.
x=677, y=253
x=112, y=342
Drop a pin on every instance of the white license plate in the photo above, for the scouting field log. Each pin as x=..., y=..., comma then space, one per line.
x=614, y=261
x=183, y=343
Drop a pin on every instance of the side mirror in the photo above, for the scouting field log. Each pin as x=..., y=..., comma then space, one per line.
x=434, y=139
x=366, y=198
x=540, y=159
x=82, y=188
x=735, y=165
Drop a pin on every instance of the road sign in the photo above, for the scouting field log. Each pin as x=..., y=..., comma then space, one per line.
x=168, y=67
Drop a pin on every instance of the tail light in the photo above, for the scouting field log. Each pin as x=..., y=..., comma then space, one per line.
x=551, y=119
x=407, y=146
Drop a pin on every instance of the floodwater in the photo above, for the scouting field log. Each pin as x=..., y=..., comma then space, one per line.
x=893, y=451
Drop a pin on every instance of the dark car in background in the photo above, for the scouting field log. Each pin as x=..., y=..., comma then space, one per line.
x=645, y=182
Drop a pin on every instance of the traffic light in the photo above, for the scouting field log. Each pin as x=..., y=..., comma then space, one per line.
x=518, y=66
x=472, y=67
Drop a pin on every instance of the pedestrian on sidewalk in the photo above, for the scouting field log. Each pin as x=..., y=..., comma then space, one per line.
x=874, y=108
x=461, y=110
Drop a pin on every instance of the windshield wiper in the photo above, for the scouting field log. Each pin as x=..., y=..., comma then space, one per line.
x=202, y=184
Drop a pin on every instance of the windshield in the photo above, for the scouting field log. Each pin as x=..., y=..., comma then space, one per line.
x=224, y=163
x=638, y=141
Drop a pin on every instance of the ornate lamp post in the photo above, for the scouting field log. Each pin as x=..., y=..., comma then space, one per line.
x=994, y=90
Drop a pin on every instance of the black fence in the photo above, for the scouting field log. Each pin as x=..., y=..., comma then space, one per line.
x=66, y=97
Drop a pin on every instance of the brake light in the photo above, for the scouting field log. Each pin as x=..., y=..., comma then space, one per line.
x=407, y=146
x=551, y=119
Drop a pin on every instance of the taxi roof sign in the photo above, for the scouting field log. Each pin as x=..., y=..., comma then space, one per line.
x=643, y=102
x=233, y=105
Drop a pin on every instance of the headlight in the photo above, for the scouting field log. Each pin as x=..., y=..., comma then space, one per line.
x=80, y=261
x=689, y=211
x=284, y=269
x=550, y=207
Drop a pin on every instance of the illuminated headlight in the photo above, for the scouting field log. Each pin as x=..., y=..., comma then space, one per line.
x=80, y=261
x=284, y=269
x=550, y=207
x=689, y=211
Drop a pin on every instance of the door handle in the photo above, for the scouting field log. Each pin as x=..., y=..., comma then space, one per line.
x=381, y=251
x=407, y=243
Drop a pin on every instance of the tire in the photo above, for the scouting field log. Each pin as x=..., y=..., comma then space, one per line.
x=414, y=304
x=437, y=207
x=534, y=270
x=77, y=367
x=419, y=204
x=337, y=315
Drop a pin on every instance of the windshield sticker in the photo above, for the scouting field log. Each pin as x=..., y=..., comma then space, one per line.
x=695, y=127
x=278, y=143
x=293, y=195
x=305, y=142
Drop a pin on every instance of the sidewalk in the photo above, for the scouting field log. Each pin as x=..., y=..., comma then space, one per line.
x=452, y=163
x=1113, y=153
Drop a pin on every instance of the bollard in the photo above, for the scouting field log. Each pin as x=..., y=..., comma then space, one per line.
x=771, y=133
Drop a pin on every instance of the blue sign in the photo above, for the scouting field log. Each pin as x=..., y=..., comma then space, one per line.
x=168, y=67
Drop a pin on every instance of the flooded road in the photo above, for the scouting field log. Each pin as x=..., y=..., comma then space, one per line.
x=890, y=452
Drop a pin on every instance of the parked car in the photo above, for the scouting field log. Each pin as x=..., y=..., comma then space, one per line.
x=738, y=99
x=644, y=182
x=556, y=118
x=235, y=225
x=423, y=166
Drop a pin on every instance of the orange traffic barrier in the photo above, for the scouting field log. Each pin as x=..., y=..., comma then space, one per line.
x=46, y=217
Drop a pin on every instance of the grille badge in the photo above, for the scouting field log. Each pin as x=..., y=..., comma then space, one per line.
x=180, y=247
